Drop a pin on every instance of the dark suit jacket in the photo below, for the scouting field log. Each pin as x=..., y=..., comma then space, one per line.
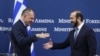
x=20, y=39
x=85, y=44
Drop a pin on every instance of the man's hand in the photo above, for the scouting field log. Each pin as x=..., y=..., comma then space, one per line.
x=43, y=35
x=48, y=45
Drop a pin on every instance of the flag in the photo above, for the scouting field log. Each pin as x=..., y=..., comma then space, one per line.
x=19, y=6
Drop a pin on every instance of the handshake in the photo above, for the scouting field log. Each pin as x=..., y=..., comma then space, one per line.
x=47, y=45
x=42, y=35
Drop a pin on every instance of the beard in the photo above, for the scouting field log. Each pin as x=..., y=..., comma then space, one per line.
x=74, y=23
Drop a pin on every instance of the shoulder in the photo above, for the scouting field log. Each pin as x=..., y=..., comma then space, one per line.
x=87, y=28
x=17, y=25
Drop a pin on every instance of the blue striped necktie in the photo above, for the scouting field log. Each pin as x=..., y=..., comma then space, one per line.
x=30, y=35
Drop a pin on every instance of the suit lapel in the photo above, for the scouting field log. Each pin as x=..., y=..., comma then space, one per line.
x=78, y=37
x=72, y=38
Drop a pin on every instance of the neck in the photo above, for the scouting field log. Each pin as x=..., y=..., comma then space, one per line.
x=23, y=21
x=79, y=23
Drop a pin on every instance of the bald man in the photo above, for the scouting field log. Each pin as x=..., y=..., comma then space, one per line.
x=20, y=38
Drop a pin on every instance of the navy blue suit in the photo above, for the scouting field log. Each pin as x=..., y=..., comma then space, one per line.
x=21, y=40
x=85, y=44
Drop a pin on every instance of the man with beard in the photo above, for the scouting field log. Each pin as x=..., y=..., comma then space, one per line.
x=81, y=39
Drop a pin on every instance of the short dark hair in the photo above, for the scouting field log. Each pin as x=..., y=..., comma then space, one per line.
x=26, y=11
x=78, y=14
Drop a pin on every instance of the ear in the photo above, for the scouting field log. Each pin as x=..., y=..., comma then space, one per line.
x=24, y=15
x=79, y=18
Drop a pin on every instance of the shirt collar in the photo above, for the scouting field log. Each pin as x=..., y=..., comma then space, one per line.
x=80, y=26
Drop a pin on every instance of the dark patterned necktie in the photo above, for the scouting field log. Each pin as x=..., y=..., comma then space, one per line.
x=75, y=34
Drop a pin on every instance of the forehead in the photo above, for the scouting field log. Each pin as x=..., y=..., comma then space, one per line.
x=73, y=14
x=31, y=13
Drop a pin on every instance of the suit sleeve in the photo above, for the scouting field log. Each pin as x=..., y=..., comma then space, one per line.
x=63, y=45
x=21, y=38
x=91, y=39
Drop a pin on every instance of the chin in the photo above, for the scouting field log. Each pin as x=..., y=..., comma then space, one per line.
x=74, y=25
x=28, y=25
